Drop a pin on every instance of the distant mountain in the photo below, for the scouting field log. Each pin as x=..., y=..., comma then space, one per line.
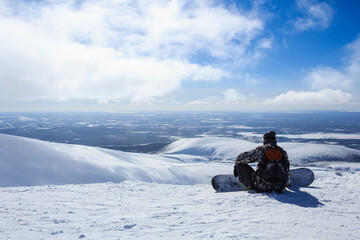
x=229, y=148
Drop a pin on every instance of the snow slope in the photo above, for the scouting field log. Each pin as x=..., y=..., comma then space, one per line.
x=168, y=195
x=229, y=148
x=137, y=210
x=27, y=162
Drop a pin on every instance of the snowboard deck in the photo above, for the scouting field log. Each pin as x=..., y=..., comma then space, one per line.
x=298, y=177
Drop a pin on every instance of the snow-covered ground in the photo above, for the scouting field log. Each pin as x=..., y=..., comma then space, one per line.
x=59, y=191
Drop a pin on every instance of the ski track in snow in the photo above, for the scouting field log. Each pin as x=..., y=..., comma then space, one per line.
x=140, y=196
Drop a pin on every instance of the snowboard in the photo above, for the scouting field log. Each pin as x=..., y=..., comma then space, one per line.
x=298, y=177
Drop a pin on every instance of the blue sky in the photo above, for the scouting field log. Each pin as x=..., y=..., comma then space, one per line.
x=179, y=55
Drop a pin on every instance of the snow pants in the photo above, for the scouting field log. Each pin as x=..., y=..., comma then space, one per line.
x=251, y=179
x=245, y=174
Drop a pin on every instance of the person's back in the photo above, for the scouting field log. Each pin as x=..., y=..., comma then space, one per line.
x=272, y=169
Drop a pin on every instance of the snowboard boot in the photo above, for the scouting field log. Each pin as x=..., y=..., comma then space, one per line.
x=288, y=183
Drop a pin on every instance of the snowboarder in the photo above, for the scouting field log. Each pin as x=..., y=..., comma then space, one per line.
x=272, y=170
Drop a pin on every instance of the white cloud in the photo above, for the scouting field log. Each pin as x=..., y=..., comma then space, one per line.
x=324, y=96
x=228, y=97
x=345, y=78
x=328, y=86
x=232, y=96
x=249, y=79
x=134, y=50
x=327, y=77
x=353, y=63
x=266, y=43
x=197, y=102
x=315, y=15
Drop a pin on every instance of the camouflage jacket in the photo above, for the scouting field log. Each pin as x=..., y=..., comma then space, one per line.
x=257, y=155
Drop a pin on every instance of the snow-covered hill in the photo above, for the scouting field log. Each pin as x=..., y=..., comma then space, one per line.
x=137, y=210
x=27, y=162
x=168, y=195
x=229, y=148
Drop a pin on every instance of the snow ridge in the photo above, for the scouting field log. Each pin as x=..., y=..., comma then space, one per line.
x=229, y=148
x=28, y=162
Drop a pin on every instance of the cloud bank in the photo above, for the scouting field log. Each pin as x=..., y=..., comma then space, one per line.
x=125, y=50
x=327, y=85
x=324, y=96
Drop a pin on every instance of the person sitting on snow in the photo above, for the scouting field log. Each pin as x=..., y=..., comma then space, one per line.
x=272, y=170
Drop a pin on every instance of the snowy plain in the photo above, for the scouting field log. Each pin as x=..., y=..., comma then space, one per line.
x=62, y=191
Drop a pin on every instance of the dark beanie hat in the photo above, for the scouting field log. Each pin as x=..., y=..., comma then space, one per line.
x=270, y=137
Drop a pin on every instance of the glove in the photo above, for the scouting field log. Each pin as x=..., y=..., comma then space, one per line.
x=235, y=171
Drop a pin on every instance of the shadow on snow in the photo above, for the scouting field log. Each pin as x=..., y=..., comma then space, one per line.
x=297, y=197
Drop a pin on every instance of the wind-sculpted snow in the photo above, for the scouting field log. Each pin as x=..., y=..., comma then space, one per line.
x=216, y=148
x=27, y=162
